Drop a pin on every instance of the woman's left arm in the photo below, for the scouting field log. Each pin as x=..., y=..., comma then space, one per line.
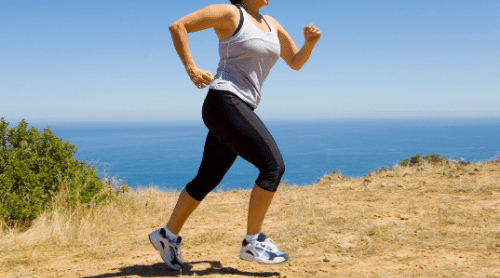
x=294, y=57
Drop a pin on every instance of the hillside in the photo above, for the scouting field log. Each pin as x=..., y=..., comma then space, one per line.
x=428, y=220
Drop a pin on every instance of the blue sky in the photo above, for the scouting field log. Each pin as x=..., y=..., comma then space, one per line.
x=114, y=60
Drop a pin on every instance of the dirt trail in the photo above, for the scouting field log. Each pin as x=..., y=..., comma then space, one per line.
x=420, y=222
x=221, y=261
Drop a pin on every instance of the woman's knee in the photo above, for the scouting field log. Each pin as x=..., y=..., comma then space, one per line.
x=281, y=170
x=269, y=179
x=198, y=190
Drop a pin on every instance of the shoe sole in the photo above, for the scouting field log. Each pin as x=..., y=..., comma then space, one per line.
x=158, y=247
x=247, y=257
x=250, y=258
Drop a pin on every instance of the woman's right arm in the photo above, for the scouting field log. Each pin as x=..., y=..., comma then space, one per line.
x=220, y=17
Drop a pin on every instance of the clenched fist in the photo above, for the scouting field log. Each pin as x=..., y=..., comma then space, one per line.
x=311, y=34
x=201, y=78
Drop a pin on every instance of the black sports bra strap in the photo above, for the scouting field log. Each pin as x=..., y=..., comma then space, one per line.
x=241, y=21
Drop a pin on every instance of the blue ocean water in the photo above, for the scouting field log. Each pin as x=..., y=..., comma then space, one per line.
x=168, y=155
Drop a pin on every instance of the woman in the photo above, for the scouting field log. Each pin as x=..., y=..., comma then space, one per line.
x=249, y=45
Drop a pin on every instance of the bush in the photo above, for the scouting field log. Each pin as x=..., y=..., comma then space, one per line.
x=415, y=159
x=33, y=166
x=434, y=158
x=405, y=162
x=383, y=169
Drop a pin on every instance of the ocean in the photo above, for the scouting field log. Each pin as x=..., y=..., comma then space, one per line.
x=167, y=155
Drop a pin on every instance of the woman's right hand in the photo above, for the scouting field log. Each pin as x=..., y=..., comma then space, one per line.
x=201, y=78
x=223, y=18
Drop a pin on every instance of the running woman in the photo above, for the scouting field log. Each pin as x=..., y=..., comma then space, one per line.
x=249, y=45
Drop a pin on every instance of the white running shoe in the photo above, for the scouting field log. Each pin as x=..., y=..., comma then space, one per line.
x=262, y=250
x=170, y=250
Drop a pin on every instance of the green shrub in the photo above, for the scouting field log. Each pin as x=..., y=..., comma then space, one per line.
x=33, y=167
x=434, y=158
x=415, y=159
x=383, y=169
x=405, y=162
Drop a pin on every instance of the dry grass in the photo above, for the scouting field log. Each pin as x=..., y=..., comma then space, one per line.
x=432, y=220
x=90, y=229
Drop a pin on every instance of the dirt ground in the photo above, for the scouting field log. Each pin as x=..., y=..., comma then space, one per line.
x=219, y=261
x=431, y=221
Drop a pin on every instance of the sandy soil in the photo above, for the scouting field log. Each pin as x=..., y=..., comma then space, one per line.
x=420, y=223
x=223, y=261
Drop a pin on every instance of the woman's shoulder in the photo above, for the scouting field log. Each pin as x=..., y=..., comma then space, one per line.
x=219, y=11
x=223, y=8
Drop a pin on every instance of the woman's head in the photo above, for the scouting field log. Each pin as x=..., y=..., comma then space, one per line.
x=259, y=3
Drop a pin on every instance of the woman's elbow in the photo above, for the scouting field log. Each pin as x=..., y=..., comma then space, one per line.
x=295, y=64
x=296, y=67
x=174, y=27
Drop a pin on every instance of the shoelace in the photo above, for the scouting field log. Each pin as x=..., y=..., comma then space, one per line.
x=268, y=245
x=177, y=250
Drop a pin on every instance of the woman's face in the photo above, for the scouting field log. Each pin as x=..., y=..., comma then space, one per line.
x=260, y=3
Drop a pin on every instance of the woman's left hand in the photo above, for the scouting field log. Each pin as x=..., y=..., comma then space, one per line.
x=311, y=34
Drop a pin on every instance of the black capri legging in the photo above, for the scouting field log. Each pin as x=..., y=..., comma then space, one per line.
x=234, y=129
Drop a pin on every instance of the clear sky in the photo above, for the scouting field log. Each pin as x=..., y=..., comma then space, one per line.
x=114, y=60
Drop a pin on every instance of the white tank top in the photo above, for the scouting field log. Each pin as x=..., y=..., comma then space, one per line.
x=246, y=59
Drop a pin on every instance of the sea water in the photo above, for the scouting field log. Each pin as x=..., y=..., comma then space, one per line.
x=168, y=155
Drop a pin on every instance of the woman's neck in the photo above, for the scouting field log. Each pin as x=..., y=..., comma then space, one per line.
x=253, y=10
